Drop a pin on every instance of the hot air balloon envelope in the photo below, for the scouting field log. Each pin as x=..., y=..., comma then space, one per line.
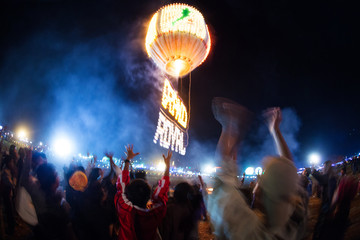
x=178, y=39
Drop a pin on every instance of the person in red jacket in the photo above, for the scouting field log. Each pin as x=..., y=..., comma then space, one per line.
x=136, y=221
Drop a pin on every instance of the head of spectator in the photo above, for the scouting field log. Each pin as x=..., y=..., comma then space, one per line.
x=138, y=192
x=328, y=169
x=183, y=193
x=343, y=171
x=48, y=178
x=12, y=152
x=22, y=153
x=9, y=164
x=307, y=172
x=96, y=175
x=80, y=168
x=38, y=158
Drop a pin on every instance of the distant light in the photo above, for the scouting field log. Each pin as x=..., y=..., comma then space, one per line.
x=63, y=146
x=314, y=159
x=249, y=171
x=40, y=143
x=21, y=134
x=161, y=166
x=209, y=169
x=1, y=127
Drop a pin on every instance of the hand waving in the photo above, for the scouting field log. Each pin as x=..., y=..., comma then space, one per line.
x=129, y=152
x=167, y=158
x=273, y=118
x=167, y=162
x=110, y=155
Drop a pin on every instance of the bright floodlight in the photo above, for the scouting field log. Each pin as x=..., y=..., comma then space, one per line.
x=63, y=146
x=314, y=159
x=209, y=169
x=161, y=166
x=21, y=134
x=249, y=171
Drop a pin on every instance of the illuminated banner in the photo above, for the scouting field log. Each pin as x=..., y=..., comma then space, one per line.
x=174, y=105
x=172, y=133
x=169, y=135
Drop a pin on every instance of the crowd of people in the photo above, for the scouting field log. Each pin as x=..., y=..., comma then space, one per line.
x=120, y=205
x=124, y=205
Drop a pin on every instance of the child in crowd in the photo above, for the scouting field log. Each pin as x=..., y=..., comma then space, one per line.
x=136, y=221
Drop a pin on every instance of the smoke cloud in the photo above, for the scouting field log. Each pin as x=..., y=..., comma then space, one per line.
x=83, y=88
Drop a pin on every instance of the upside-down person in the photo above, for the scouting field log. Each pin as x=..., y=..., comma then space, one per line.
x=282, y=209
x=136, y=221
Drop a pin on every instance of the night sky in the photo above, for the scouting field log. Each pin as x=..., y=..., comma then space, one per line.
x=81, y=67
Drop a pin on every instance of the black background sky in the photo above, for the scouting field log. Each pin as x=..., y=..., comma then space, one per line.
x=81, y=65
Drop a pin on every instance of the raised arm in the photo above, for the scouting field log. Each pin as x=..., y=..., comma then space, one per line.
x=273, y=117
x=91, y=164
x=113, y=167
x=123, y=180
x=160, y=193
x=129, y=156
x=167, y=163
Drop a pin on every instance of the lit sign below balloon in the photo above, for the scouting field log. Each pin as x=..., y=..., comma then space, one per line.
x=169, y=135
x=173, y=104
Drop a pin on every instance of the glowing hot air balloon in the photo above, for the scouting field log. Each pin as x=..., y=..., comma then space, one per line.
x=178, y=39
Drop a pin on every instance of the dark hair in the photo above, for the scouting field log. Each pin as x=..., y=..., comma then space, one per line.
x=36, y=156
x=12, y=149
x=46, y=174
x=21, y=152
x=183, y=192
x=138, y=192
x=80, y=168
x=94, y=175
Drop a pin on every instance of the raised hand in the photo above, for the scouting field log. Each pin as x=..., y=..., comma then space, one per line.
x=273, y=118
x=110, y=155
x=167, y=162
x=201, y=182
x=167, y=158
x=129, y=152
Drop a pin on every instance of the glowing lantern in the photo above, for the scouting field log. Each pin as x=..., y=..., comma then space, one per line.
x=178, y=39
